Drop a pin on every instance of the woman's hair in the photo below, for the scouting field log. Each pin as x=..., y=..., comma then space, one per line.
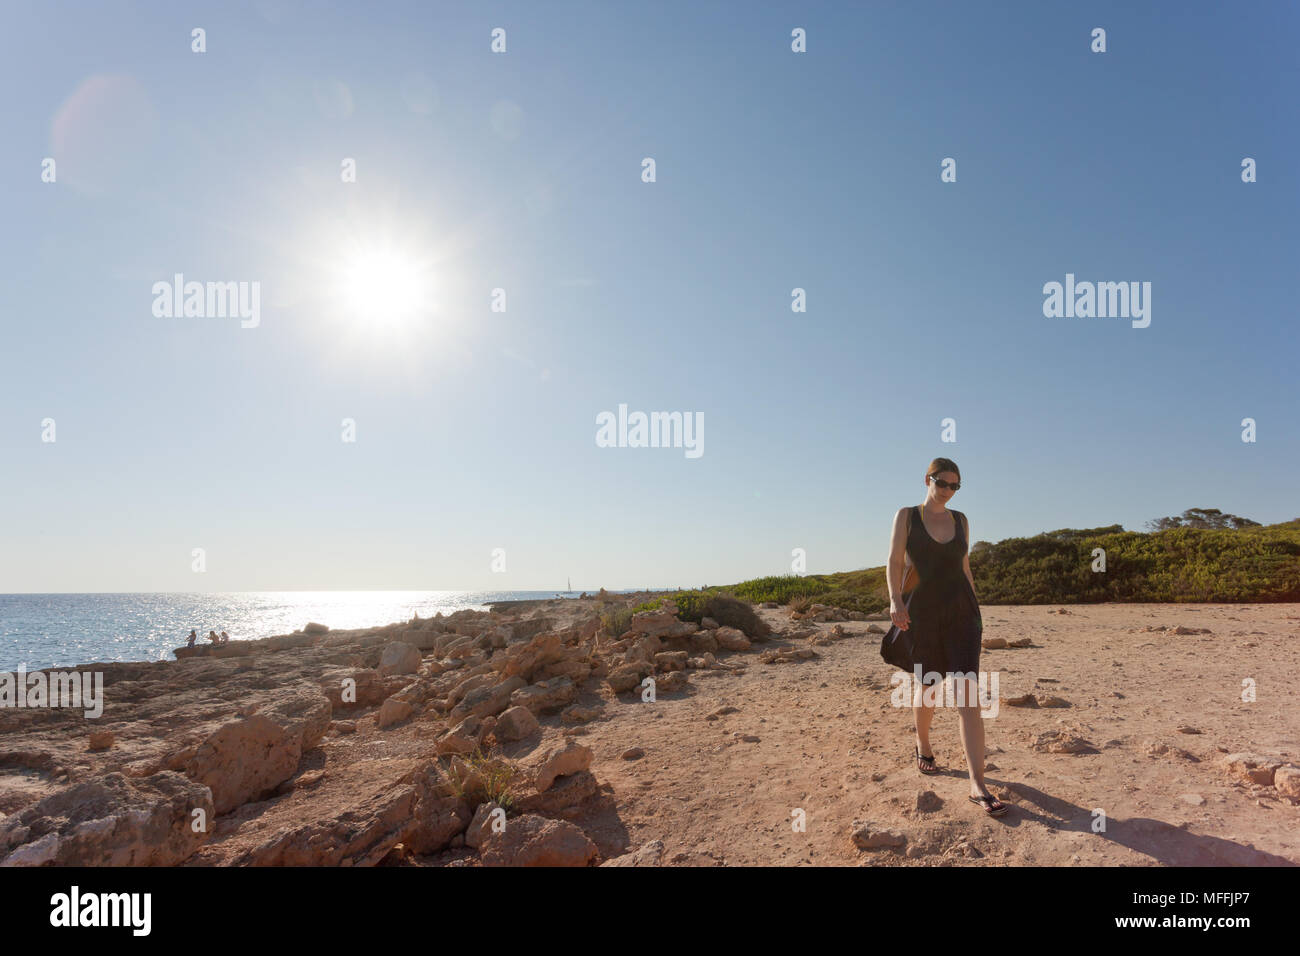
x=943, y=464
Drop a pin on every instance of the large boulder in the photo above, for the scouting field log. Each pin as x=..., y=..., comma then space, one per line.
x=392, y=711
x=515, y=723
x=732, y=638
x=399, y=658
x=562, y=798
x=111, y=821
x=567, y=759
x=486, y=701
x=467, y=736
x=471, y=682
x=531, y=840
x=354, y=688
x=415, y=808
x=547, y=695
x=662, y=623
x=249, y=756
x=545, y=655
x=628, y=676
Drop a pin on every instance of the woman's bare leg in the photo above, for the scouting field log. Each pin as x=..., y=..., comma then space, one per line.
x=972, y=737
x=924, y=717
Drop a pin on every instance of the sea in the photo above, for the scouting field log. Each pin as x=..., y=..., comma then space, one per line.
x=62, y=630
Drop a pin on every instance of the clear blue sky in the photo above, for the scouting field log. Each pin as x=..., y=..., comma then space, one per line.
x=476, y=429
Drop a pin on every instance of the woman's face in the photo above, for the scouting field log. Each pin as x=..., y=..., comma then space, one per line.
x=941, y=495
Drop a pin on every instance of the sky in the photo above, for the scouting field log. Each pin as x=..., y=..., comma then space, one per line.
x=219, y=441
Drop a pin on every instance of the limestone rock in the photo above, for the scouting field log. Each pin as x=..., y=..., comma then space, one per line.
x=563, y=798
x=364, y=686
x=251, y=755
x=546, y=695
x=570, y=758
x=704, y=641
x=670, y=660
x=531, y=840
x=578, y=714
x=1061, y=742
x=110, y=821
x=651, y=854
x=732, y=639
x=872, y=836
x=393, y=711
x=628, y=677
x=1252, y=767
x=466, y=737
x=486, y=701
x=670, y=682
x=486, y=820
x=399, y=658
x=786, y=655
x=516, y=723
x=1287, y=781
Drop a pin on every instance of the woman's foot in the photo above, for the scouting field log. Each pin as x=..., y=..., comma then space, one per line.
x=925, y=764
x=991, y=804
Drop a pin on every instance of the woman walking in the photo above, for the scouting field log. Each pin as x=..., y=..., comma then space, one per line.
x=942, y=615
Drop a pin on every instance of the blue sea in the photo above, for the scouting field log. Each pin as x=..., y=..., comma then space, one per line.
x=62, y=630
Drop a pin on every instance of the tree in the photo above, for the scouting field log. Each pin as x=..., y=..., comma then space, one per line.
x=1202, y=518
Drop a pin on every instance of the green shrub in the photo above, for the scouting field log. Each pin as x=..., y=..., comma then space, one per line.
x=488, y=779
x=691, y=605
x=616, y=621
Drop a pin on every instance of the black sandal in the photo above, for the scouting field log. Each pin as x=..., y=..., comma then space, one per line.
x=928, y=761
x=991, y=804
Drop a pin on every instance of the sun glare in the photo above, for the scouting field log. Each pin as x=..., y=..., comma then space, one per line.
x=384, y=288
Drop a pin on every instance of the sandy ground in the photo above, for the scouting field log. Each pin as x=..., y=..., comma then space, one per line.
x=822, y=737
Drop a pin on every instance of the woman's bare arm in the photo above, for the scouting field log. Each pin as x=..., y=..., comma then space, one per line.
x=896, y=565
x=965, y=558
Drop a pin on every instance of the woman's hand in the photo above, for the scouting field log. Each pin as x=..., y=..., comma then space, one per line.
x=898, y=614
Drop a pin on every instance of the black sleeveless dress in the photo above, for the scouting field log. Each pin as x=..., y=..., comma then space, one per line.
x=946, y=626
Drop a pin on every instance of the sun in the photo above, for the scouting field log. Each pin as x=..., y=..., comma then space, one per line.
x=384, y=287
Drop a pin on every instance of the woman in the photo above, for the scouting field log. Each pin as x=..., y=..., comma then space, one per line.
x=944, y=618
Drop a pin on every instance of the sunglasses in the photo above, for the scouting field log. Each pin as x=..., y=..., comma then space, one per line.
x=943, y=484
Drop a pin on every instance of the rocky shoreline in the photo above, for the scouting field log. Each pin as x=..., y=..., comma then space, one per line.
x=527, y=735
x=343, y=748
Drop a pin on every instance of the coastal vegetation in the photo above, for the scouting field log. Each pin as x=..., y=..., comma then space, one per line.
x=1202, y=556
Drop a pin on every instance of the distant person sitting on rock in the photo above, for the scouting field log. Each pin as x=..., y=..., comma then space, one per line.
x=194, y=636
x=225, y=638
x=212, y=636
